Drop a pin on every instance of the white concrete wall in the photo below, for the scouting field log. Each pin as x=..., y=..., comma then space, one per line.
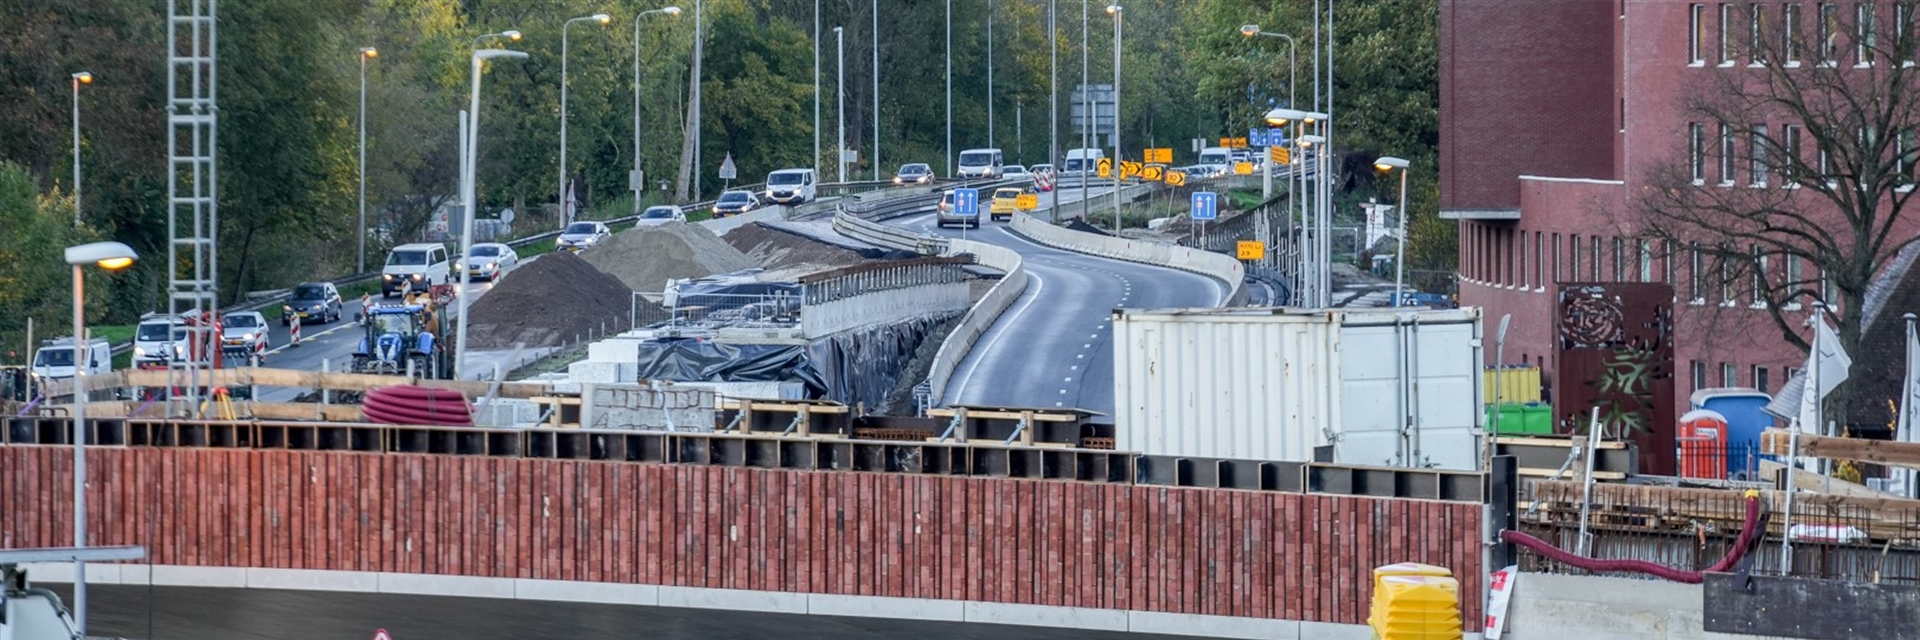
x=961, y=339
x=1559, y=607
x=886, y=306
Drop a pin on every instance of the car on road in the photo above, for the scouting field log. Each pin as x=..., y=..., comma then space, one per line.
x=1006, y=202
x=1015, y=171
x=981, y=163
x=244, y=337
x=490, y=260
x=947, y=215
x=913, y=173
x=318, y=301
x=735, y=202
x=791, y=186
x=54, y=360
x=583, y=235
x=661, y=214
x=414, y=266
x=159, y=339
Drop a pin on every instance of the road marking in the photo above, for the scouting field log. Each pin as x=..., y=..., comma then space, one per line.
x=1039, y=285
x=1069, y=379
x=1074, y=367
x=1063, y=392
x=308, y=338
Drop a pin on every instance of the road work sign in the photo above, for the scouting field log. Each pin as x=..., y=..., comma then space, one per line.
x=1251, y=250
x=1153, y=173
x=1129, y=169
x=1280, y=155
x=1242, y=168
x=1177, y=178
x=1161, y=155
x=1027, y=201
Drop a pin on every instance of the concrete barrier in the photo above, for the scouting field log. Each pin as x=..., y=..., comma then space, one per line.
x=1548, y=606
x=1220, y=267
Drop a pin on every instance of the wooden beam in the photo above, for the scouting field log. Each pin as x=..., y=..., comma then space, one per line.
x=1806, y=480
x=1905, y=454
x=301, y=411
x=251, y=376
x=1558, y=442
x=1717, y=500
x=1007, y=415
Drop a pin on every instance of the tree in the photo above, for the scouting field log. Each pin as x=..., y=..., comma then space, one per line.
x=1826, y=184
x=34, y=283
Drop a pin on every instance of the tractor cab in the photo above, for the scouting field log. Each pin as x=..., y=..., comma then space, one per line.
x=400, y=337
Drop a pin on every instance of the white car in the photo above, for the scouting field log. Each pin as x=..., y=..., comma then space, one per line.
x=1014, y=171
x=158, y=340
x=490, y=260
x=579, y=236
x=658, y=215
x=244, y=336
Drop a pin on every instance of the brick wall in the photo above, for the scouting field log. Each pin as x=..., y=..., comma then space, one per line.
x=1199, y=551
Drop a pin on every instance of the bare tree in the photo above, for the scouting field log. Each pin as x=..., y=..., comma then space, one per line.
x=1803, y=151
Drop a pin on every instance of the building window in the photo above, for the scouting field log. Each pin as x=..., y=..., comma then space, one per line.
x=1756, y=22
x=1760, y=379
x=1727, y=32
x=1594, y=258
x=1573, y=256
x=1646, y=261
x=1727, y=282
x=1863, y=34
x=1696, y=43
x=1556, y=258
x=1539, y=262
x=1906, y=154
x=1759, y=276
x=1520, y=244
x=1826, y=162
x=1792, y=281
x=1699, y=375
x=1693, y=276
x=1666, y=262
x=1728, y=376
x=1903, y=41
x=1697, y=147
x=1829, y=33
x=1790, y=30
x=1727, y=154
x=1757, y=148
x=1619, y=265
x=1790, y=154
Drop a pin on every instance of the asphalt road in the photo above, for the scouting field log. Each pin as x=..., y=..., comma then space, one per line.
x=1054, y=346
x=261, y=614
x=329, y=345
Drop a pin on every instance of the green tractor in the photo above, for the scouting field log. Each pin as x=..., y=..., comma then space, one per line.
x=402, y=338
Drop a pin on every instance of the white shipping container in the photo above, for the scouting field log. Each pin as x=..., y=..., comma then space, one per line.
x=1274, y=384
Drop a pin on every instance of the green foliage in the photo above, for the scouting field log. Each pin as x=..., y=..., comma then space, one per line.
x=37, y=281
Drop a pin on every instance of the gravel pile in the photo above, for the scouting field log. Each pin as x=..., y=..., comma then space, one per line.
x=645, y=258
x=775, y=248
x=549, y=302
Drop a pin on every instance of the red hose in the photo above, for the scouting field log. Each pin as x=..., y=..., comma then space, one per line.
x=414, y=405
x=1748, y=531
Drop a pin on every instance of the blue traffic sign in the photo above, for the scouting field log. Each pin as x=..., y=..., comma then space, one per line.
x=966, y=202
x=1274, y=137
x=1206, y=205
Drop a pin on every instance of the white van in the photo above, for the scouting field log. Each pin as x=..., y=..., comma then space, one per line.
x=419, y=265
x=54, y=360
x=159, y=339
x=1081, y=162
x=981, y=163
x=791, y=186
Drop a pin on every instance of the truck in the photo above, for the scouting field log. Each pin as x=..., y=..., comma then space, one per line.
x=407, y=337
x=1081, y=162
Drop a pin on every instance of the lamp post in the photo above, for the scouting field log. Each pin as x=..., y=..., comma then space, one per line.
x=816, y=90
x=1390, y=163
x=875, y=160
x=1086, y=112
x=840, y=94
x=111, y=256
x=1119, y=152
x=990, y=140
x=80, y=78
x=472, y=177
x=1251, y=30
x=1312, y=260
x=1275, y=118
x=566, y=212
x=1323, y=211
x=949, y=152
x=366, y=53
x=639, y=177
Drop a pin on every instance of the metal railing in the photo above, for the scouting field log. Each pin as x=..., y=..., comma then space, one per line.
x=710, y=311
x=848, y=282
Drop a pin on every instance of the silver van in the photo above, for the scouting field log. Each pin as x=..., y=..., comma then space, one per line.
x=419, y=265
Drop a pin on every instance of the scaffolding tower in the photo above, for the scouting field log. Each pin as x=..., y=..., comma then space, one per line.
x=193, y=211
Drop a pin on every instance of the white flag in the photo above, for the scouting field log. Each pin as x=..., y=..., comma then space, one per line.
x=1905, y=480
x=1827, y=366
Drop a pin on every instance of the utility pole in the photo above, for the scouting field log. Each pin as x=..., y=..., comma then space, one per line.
x=876, y=91
x=816, y=89
x=949, y=88
x=990, y=141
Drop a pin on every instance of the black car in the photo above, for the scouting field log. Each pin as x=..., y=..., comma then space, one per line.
x=734, y=203
x=318, y=301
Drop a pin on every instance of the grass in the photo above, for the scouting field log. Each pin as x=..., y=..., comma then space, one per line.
x=114, y=333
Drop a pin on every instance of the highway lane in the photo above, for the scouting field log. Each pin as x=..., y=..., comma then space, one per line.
x=329, y=345
x=263, y=614
x=1053, y=347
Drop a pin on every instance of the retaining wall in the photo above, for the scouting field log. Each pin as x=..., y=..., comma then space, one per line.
x=1124, y=548
x=1547, y=606
x=1218, y=266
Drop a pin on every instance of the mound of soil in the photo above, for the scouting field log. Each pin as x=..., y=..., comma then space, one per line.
x=1081, y=225
x=776, y=248
x=549, y=302
x=645, y=258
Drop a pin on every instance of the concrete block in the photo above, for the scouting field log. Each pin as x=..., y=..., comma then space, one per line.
x=1181, y=624
x=432, y=585
x=593, y=592
x=733, y=600
x=620, y=349
x=820, y=604
x=312, y=580
x=61, y=572
x=1333, y=631
x=176, y=576
x=603, y=372
x=1043, y=616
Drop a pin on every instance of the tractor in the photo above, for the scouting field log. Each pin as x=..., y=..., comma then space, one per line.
x=400, y=335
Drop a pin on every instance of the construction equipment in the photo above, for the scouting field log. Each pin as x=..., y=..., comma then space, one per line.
x=407, y=337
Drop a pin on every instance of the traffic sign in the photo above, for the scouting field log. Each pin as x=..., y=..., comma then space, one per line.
x=381, y=634
x=1242, y=168
x=1233, y=143
x=1104, y=167
x=1162, y=155
x=1129, y=169
x=1153, y=173
x=1251, y=250
x=727, y=170
x=1177, y=178
x=1266, y=137
x=1206, y=205
x=966, y=203
x=1281, y=155
x=1027, y=201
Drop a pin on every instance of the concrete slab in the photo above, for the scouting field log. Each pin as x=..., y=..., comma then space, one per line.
x=593, y=592
x=422, y=584
x=197, y=576
x=732, y=599
x=875, y=607
x=1043, y=616
x=310, y=580
x=1181, y=624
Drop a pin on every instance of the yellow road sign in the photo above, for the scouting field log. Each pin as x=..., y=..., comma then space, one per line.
x=1162, y=155
x=1129, y=169
x=1153, y=173
x=1104, y=167
x=1281, y=155
x=1242, y=168
x=1251, y=250
x=1233, y=143
x=1027, y=201
x=1177, y=178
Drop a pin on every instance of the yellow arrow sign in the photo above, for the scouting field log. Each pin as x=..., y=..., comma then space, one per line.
x=1129, y=169
x=1104, y=167
x=1152, y=173
x=1177, y=178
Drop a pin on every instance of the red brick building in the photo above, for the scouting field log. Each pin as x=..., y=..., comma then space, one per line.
x=1552, y=116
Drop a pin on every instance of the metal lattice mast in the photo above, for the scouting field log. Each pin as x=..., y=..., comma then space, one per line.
x=193, y=215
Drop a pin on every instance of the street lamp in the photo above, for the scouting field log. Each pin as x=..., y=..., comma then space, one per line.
x=472, y=177
x=638, y=177
x=840, y=147
x=1386, y=164
x=510, y=35
x=566, y=213
x=112, y=256
x=1311, y=258
x=1323, y=204
x=1119, y=152
x=1251, y=30
x=1277, y=118
x=81, y=78
x=366, y=53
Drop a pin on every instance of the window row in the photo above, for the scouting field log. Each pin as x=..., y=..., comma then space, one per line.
x=1758, y=377
x=1729, y=31
x=1731, y=152
x=1700, y=274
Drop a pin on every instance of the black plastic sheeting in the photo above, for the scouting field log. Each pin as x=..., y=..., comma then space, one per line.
x=851, y=367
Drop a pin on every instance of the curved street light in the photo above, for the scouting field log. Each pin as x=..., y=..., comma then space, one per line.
x=472, y=156
x=111, y=256
x=566, y=213
x=1385, y=164
x=84, y=77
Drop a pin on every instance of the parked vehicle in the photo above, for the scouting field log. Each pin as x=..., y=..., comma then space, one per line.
x=318, y=301
x=981, y=163
x=658, y=215
x=735, y=202
x=416, y=266
x=408, y=333
x=244, y=337
x=54, y=360
x=1015, y=171
x=791, y=186
x=490, y=260
x=580, y=236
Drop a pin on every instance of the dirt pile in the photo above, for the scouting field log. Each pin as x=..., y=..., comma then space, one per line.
x=776, y=248
x=549, y=302
x=645, y=258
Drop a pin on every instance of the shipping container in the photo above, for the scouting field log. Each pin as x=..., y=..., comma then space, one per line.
x=1279, y=384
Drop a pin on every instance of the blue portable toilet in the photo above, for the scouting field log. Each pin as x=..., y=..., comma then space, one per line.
x=1744, y=409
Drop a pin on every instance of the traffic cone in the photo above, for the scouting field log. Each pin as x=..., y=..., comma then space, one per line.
x=293, y=333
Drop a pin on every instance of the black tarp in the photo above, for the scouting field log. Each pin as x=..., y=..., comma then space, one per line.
x=864, y=365
x=702, y=360
x=851, y=367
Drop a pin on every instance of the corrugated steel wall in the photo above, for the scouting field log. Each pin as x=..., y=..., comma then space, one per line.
x=1202, y=551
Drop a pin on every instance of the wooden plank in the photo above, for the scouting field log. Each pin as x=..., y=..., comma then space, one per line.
x=1905, y=454
x=1006, y=415
x=247, y=376
x=1542, y=472
x=1557, y=442
x=1714, y=500
x=1805, y=480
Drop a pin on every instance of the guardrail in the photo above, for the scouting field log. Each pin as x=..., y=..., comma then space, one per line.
x=1213, y=265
